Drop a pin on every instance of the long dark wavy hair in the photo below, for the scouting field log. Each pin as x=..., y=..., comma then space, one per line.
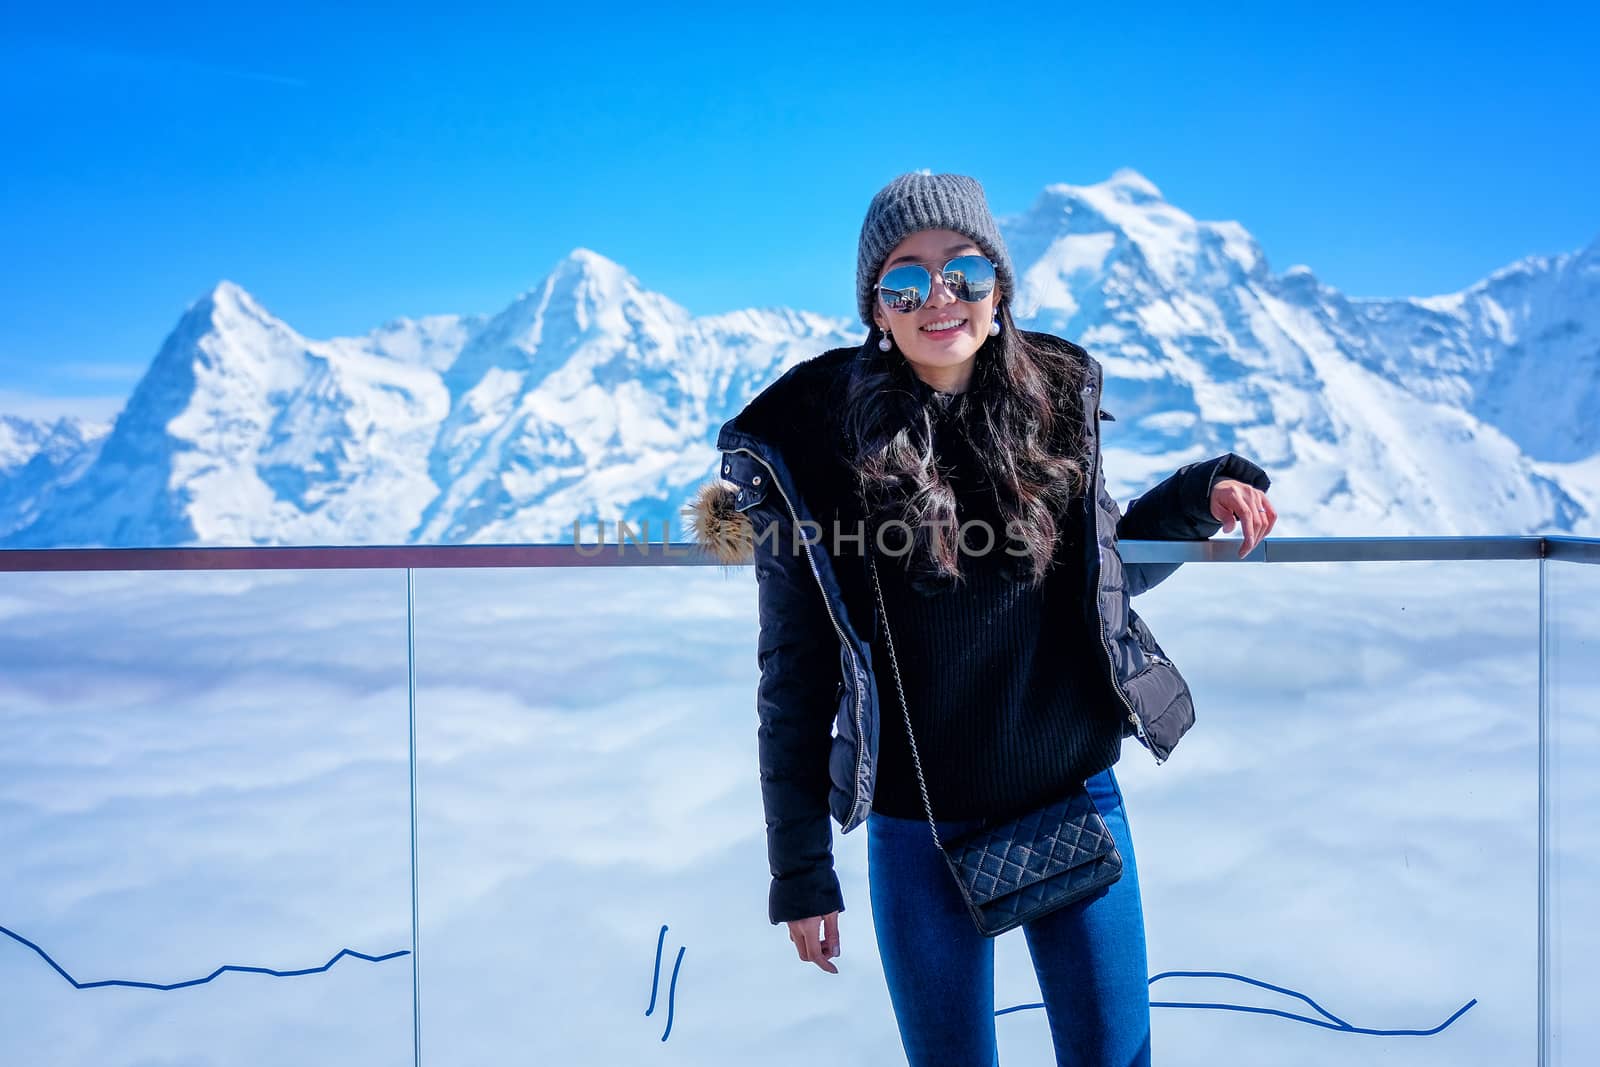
x=1023, y=418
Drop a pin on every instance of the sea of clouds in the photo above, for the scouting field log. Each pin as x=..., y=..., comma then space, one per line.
x=209, y=769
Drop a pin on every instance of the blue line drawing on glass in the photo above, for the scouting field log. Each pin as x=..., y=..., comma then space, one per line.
x=1328, y=1021
x=128, y=984
x=672, y=988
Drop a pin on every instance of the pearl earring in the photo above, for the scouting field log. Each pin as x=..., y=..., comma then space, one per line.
x=994, y=324
x=885, y=342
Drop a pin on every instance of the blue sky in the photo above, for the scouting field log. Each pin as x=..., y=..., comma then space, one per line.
x=347, y=167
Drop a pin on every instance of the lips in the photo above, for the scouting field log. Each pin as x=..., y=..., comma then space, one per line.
x=951, y=327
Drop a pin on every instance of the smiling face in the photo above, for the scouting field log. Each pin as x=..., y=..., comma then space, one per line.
x=942, y=357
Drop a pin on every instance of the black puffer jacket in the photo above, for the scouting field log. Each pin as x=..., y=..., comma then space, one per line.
x=783, y=489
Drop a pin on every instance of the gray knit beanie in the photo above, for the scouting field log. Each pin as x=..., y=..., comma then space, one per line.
x=925, y=201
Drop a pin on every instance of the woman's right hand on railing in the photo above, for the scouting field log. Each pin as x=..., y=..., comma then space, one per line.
x=814, y=948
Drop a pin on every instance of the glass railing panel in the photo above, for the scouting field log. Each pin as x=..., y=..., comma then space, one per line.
x=204, y=771
x=1352, y=821
x=1572, y=591
x=592, y=860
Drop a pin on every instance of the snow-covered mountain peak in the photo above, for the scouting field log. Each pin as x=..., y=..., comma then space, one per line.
x=586, y=262
x=589, y=395
x=37, y=456
x=1078, y=238
x=1132, y=186
x=22, y=439
x=243, y=431
x=586, y=274
x=227, y=335
x=595, y=294
x=590, y=389
x=584, y=296
x=1299, y=282
x=1127, y=200
x=229, y=304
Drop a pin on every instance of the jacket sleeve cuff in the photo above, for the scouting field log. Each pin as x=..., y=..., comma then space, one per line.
x=1201, y=478
x=804, y=896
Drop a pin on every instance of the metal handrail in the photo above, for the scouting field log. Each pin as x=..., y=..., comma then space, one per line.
x=682, y=553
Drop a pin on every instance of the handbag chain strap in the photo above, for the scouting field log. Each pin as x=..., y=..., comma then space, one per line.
x=894, y=666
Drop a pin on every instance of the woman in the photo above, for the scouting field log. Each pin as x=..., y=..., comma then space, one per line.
x=1020, y=663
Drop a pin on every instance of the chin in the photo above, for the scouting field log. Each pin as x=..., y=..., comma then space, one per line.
x=948, y=354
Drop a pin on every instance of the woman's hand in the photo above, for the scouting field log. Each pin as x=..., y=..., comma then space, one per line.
x=803, y=932
x=1232, y=499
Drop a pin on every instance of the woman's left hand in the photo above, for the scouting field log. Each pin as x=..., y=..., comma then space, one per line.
x=1232, y=499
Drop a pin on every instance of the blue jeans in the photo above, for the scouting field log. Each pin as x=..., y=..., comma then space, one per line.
x=1089, y=956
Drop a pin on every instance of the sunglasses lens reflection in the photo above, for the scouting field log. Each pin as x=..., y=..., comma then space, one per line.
x=969, y=277
x=904, y=288
x=903, y=301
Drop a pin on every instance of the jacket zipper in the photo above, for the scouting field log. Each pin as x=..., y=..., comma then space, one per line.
x=1099, y=615
x=855, y=669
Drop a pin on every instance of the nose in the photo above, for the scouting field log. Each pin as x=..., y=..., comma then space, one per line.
x=939, y=294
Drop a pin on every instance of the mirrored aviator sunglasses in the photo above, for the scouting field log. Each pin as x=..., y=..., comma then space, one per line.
x=906, y=288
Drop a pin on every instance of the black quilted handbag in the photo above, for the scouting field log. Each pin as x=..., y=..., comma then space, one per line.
x=1019, y=870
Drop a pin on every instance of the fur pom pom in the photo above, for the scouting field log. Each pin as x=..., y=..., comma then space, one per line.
x=719, y=528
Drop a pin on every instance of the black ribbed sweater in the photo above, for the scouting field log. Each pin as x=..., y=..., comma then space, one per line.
x=996, y=673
